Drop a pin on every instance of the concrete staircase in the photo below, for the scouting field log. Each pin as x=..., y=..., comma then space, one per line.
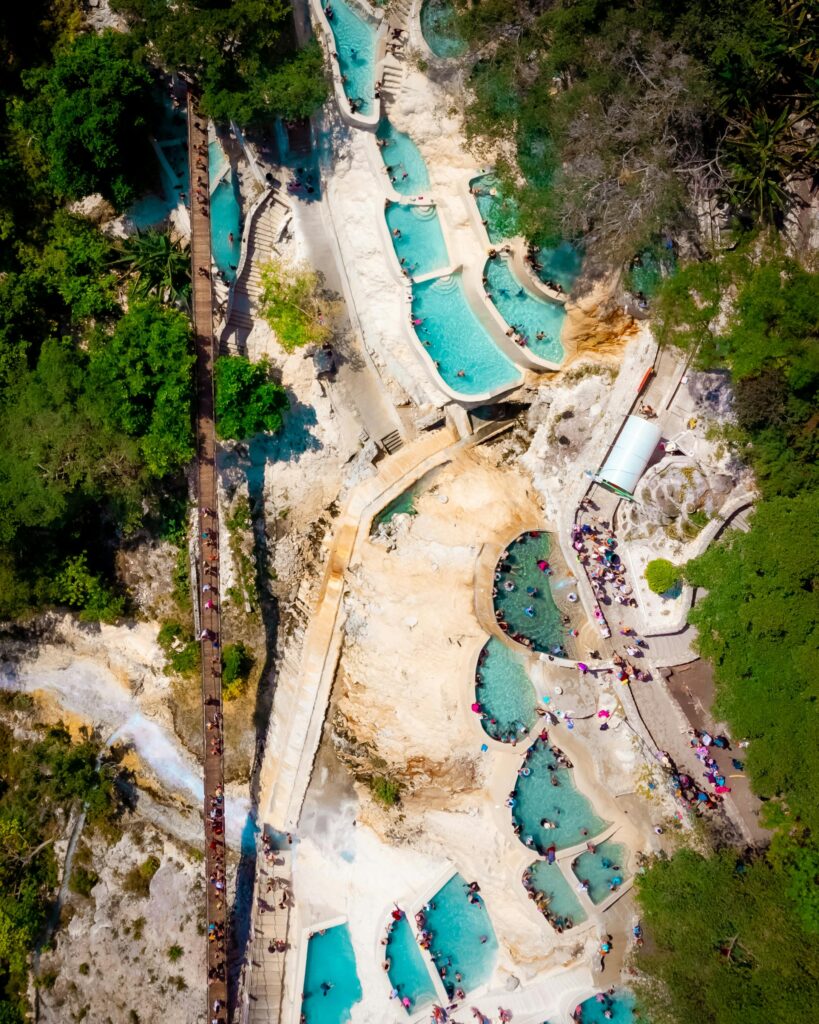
x=263, y=235
x=393, y=66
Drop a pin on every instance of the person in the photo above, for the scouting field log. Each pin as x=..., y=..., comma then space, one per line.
x=325, y=987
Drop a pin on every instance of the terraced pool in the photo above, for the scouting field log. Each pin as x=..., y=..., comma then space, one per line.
x=355, y=39
x=523, y=594
x=505, y=693
x=331, y=987
x=408, y=973
x=402, y=159
x=604, y=870
x=563, y=906
x=548, y=807
x=537, y=320
x=463, y=939
x=417, y=238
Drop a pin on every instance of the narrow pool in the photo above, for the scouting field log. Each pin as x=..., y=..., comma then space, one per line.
x=536, y=320
x=402, y=159
x=553, y=895
x=408, y=974
x=331, y=987
x=355, y=41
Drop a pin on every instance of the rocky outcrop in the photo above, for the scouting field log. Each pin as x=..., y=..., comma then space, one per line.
x=596, y=324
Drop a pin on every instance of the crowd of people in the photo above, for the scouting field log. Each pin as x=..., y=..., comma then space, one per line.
x=542, y=900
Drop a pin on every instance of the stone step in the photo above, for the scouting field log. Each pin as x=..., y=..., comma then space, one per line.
x=392, y=442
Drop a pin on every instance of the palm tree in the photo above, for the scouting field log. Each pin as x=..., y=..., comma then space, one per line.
x=157, y=265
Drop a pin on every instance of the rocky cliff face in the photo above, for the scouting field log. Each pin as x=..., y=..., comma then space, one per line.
x=596, y=324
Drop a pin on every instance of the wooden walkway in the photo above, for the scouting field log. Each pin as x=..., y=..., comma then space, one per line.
x=208, y=565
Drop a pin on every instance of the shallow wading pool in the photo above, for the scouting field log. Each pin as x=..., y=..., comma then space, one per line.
x=355, y=39
x=463, y=939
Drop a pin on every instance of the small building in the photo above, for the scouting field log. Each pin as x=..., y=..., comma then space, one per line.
x=632, y=452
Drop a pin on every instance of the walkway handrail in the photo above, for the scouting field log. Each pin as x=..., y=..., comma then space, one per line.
x=207, y=546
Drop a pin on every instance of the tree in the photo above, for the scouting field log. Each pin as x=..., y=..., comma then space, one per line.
x=292, y=304
x=157, y=265
x=90, y=114
x=759, y=626
x=661, y=575
x=727, y=946
x=243, y=53
x=144, y=376
x=237, y=662
x=247, y=400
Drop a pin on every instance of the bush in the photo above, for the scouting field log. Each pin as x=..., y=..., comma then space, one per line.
x=237, y=662
x=661, y=575
x=175, y=953
x=386, y=791
x=247, y=400
x=180, y=647
x=82, y=881
x=138, y=880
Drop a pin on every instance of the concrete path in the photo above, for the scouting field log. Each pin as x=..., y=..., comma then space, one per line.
x=207, y=544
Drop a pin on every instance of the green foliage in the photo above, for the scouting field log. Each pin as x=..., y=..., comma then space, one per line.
x=137, y=880
x=727, y=946
x=158, y=265
x=144, y=375
x=181, y=649
x=386, y=791
x=175, y=952
x=75, y=586
x=759, y=625
x=769, y=341
x=237, y=661
x=82, y=881
x=291, y=303
x=242, y=53
x=41, y=781
x=661, y=575
x=247, y=400
x=89, y=114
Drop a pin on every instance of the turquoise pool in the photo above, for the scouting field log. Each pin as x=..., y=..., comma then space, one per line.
x=457, y=341
x=562, y=904
x=408, y=973
x=463, y=939
x=528, y=607
x=499, y=211
x=505, y=692
x=438, y=27
x=529, y=314
x=405, y=502
x=621, y=1004
x=601, y=869
x=355, y=45
x=331, y=986
x=403, y=160
x=537, y=799
x=172, y=157
x=225, y=215
x=419, y=242
x=560, y=263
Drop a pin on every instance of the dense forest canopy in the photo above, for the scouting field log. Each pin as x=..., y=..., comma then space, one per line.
x=624, y=116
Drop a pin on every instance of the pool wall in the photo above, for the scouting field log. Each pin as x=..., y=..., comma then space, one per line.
x=368, y=122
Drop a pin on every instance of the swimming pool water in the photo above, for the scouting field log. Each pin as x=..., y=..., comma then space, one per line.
x=600, y=868
x=533, y=591
x=330, y=961
x=560, y=263
x=536, y=800
x=438, y=27
x=420, y=242
x=408, y=973
x=505, y=692
x=225, y=215
x=355, y=45
x=457, y=928
x=621, y=1005
x=405, y=502
x=498, y=210
x=172, y=133
x=528, y=313
x=548, y=878
x=457, y=340
x=403, y=160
